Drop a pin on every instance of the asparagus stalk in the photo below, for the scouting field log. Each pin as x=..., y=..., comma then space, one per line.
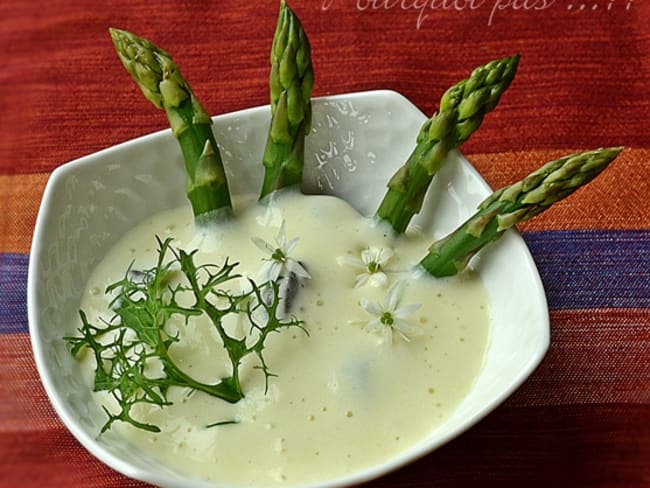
x=514, y=204
x=291, y=82
x=162, y=84
x=461, y=112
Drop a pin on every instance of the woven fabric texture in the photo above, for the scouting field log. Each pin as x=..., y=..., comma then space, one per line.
x=583, y=417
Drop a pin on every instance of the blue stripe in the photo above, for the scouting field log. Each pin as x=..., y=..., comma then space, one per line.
x=579, y=268
x=13, y=293
x=593, y=268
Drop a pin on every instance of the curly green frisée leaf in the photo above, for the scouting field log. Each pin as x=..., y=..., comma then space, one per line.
x=514, y=204
x=162, y=84
x=291, y=82
x=461, y=112
x=132, y=351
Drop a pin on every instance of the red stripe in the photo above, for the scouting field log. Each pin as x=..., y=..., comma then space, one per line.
x=566, y=446
x=584, y=91
x=44, y=458
x=597, y=356
x=603, y=446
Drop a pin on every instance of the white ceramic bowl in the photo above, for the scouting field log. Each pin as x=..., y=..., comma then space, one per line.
x=357, y=142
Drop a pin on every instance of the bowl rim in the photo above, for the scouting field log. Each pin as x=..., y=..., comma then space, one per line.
x=115, y=462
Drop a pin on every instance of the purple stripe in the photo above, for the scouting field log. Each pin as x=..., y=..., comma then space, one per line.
x=580, y=269
x=13, y=293
x=584, y=269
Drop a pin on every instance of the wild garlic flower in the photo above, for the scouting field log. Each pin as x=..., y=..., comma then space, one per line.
x=372, y=262
x=388, y=318
x=280, y=263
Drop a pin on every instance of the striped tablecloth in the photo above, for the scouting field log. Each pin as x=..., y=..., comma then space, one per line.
x=583, y=417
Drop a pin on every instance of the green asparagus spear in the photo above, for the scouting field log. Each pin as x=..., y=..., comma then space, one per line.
x=163, y=85
x=461, y=112
x=514, y=204
x=291, y=81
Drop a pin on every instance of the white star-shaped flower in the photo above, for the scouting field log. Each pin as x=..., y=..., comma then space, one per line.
x=280, y=263
x=372, y=262
x=388, y=317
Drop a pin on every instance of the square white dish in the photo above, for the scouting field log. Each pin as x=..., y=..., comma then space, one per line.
x=357, y=142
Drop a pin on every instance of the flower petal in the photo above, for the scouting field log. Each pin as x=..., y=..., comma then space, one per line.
x=281, y=238
x=406, y=310
x=371, y=307
x=290, y=245
x=388, y=335
x=378, y=279
x=384, y=255
x=264, y=273
x=262, y=245
x=374, y=326
x=369, y=255
x=350, y=261
x=394, y=296
x=272, y=216
x=275, y=270
x=405, y=328
x=298, y=269
x=361, y=280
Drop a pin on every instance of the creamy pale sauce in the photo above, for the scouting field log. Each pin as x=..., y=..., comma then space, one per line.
x=343, y=399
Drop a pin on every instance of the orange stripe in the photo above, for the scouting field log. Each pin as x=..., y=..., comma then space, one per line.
x=616, y=199
x=20, y=197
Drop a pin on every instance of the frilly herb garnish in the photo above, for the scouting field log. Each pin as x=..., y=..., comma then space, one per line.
x=137, y=340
